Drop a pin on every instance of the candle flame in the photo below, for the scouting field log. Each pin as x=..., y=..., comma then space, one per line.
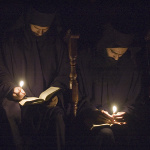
x=114, y=109
x=21, y=83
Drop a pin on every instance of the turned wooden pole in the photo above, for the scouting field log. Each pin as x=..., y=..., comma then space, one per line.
x=72, y=46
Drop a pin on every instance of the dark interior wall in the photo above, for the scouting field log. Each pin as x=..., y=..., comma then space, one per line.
x=9, y=12
x=81, y=15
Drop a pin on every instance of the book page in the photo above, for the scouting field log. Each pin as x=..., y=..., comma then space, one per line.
x=47, y=94
x=29, y=99
x=100, y=125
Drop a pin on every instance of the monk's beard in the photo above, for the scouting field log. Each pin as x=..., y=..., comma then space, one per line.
x=110, y=62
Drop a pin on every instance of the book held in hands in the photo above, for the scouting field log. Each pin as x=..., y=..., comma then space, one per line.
x=44, y=96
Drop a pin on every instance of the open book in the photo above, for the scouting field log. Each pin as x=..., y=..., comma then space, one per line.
x=96, y=118
x=44, y=96
x=107, y=124
x=100, y=125
x=91, y=125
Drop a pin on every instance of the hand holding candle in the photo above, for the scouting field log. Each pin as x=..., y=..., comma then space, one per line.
x=18, y=92
x=118, y=117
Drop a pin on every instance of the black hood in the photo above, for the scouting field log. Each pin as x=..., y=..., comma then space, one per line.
x=39, y=18
x=112, y=38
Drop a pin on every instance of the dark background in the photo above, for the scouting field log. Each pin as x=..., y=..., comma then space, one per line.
x=85, y=16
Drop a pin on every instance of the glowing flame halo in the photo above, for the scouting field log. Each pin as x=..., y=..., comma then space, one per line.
x=21, y=83
x=114, y=109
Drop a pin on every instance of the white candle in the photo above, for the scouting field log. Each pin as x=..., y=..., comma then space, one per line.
x=114, y=109
x=21, y=83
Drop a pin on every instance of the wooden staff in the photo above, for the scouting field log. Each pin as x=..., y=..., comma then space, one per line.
x=72, y=46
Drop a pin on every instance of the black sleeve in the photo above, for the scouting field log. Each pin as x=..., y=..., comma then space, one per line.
x=62, y=78
x=134, y=92
x=6, y=81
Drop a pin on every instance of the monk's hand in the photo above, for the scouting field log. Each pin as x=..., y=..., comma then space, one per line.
x=101, y=117
x=18, y=93
x=53, y=102
x=108, y=117
x=119, y=118
x=96, y=117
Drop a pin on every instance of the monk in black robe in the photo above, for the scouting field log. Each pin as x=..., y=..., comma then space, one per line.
x=107, y=77
x=36, y=54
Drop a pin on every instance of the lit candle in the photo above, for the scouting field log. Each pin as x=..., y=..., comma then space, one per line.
x=21, y=84
x=114, y=109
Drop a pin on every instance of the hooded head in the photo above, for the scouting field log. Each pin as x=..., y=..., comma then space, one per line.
x=114, y=44
x=40, y=18
x=112, y=38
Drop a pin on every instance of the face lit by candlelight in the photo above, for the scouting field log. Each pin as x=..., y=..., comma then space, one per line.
x=116, y=53
x=21, y=83
x=38, y=30
x=114, y=109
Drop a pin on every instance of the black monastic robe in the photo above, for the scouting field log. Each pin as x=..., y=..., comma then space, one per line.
x=103, y=84
x=40, y=62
